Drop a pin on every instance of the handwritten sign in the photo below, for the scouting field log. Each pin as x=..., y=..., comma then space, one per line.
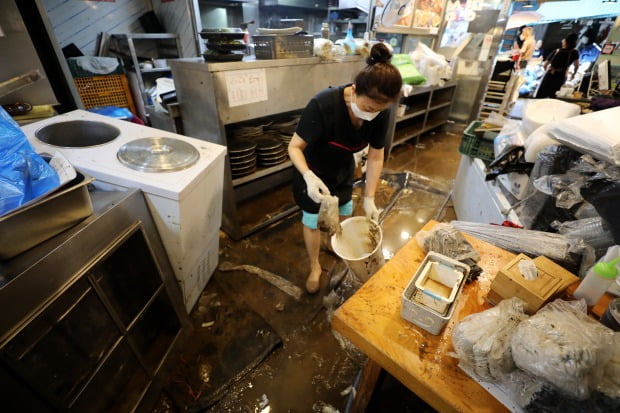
x=246, y=86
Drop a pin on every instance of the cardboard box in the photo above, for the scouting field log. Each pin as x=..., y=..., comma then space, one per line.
x=551, y=282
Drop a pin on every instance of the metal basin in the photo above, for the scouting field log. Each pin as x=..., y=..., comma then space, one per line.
x=77, y=133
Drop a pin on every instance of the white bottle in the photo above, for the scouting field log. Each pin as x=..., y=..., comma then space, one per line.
x=597, y=281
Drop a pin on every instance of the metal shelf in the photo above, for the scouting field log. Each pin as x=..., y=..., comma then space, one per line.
x=439, y=106
x=261, y=173
x=431, y=111
x=156, y=70
x=131, y=47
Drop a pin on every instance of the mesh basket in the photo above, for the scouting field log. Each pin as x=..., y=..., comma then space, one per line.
x=283, y=47
x=110, y=90
x=475, y=144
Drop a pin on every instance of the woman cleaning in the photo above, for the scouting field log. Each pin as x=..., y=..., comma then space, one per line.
x=556, y=67
x=335, y=124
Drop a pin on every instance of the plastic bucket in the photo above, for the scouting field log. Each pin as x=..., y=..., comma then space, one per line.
x=359, y=246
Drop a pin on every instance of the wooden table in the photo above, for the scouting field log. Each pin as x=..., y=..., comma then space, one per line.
x=371, y=320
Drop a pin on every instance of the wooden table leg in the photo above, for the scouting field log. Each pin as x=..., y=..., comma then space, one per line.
x=370, y=375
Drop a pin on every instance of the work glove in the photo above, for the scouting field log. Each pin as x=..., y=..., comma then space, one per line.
x=372, y=213
x=316, y=188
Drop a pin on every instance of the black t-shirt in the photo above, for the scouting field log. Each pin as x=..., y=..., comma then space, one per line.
x=332, y=140
x=563, y=58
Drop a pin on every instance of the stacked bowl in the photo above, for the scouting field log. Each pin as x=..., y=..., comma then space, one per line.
x=224, y=45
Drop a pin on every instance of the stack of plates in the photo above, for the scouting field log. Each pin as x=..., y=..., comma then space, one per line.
x=284, y=124
x=285, y=138
x=224, y=44
x=284, y=130
x=242, y=155
x=247, y=132
x=270, y=152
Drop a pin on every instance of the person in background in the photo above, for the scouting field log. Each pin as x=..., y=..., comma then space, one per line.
x=538, y=50
x=335, y=124
x=527, y=47
x=556, y=67
x=516, y=47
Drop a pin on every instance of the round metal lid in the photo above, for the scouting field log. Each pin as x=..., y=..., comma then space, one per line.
x=158, y=155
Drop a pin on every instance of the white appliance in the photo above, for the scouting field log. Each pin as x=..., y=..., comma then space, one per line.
x=477, y=200
x=186, y=204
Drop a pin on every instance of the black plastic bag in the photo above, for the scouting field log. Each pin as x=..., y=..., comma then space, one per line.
x=604, y=194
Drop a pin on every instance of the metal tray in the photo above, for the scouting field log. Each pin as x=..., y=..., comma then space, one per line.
x=31, y=225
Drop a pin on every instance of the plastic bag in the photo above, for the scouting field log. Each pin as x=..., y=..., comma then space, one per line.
x=510, y=135
x=433, y=66
x=533, y=243
x=538, y=112
x=324, y=48
x=536, y=395
x=482, y=341
x=113, y=112
x=24, y=175
x=604, y=194
x=564, y=188
x=562, y=345
x=595, y=133
x=537, y=141
x=407, y=69
x=95, y=64
x=447, y=240
x=610, y=383
x=538, y=211
x=592, y=231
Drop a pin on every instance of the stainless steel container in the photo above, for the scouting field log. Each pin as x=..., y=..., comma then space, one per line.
x=26, y=227
x=420, y=314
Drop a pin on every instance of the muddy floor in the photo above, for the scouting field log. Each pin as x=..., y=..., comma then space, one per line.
x=257, y=347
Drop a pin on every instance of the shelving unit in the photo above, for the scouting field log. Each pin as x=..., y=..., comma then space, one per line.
x=207, y=114
x=427, y=108
x=338, y=26
x=135, y=48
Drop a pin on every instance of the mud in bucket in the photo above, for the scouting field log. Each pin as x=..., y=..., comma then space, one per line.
x=359, y=246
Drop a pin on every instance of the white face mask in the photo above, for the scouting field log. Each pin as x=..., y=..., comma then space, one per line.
x=360, y=113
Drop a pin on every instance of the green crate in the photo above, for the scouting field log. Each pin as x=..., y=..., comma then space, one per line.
x=477, y=146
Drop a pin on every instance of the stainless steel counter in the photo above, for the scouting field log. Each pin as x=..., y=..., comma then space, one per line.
x=203, y=99
x=90, y=316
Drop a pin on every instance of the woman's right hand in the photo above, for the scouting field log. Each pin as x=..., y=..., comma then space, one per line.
x=317, y=190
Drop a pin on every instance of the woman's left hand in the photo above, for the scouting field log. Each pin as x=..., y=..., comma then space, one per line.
x=372, y=213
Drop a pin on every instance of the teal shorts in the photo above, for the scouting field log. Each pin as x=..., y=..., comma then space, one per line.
x=312, y=220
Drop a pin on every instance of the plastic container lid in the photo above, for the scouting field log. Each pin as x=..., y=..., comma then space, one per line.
x=607, y=269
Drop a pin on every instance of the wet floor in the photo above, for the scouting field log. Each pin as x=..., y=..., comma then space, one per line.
x=257, y=347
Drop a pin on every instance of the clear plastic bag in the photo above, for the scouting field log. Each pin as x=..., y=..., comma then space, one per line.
x=510, y=135
x=539, y=210
x=610, y=383
x=24, y=175
x=447, y=240
x=593, y=231
x=482, y=341
x=563, y=346
x=534, y=243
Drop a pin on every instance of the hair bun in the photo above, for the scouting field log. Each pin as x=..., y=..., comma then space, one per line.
x=379, y=53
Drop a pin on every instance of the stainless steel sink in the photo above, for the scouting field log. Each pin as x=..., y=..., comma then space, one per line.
x=77, y=133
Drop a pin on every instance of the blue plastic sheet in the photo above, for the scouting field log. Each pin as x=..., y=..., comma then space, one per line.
x=24, y=175
x=113, y=112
